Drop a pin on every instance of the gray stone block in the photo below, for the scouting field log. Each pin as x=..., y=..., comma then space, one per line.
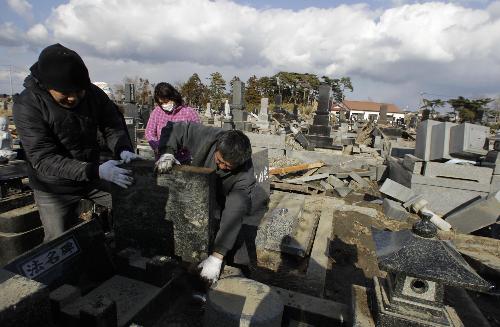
x=394, y=210
x=167, y=214
x=459, y=172
x=326, y=186
x=423, y=140
x=413, y=164
x=477, y=215
x=262, y=191
x=15, y=244
x=468, y=140
x=24, y=302
x=398, y=173
x=440, y=141
x=396, y=190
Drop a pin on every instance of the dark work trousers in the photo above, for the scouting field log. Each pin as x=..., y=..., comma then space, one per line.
x=59, y=212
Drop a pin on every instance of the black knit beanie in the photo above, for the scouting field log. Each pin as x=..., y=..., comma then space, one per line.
x=61, y=69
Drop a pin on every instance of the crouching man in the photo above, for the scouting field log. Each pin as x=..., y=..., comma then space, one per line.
x=229, y=154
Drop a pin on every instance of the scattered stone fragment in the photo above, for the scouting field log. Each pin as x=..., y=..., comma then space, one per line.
x=394, y=210
x=396, y=190
x=343, y=191
x=334, y=181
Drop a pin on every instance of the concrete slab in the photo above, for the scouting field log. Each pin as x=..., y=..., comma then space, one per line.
x=307, y=178
x=15, y=244
x=449, y=183
x=20, y=220
x=24, y=302
x=459, y=172
x=396, y=190
x=477, y=215
x=318, y=262
x=443, y=200
x=131, y=297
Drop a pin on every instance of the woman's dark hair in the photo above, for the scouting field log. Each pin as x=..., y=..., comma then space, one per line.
x=166, y=91
x=235, y=147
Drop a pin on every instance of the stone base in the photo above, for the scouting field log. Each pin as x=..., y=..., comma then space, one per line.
x=389, y=315
x=319, y=141
x=323, y=130
x=227, y=125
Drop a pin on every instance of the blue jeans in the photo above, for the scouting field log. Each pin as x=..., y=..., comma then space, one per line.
x=59, y=212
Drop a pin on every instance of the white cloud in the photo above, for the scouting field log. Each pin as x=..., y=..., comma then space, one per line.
x=10, y=35
x=22, y=8
x=445, y=47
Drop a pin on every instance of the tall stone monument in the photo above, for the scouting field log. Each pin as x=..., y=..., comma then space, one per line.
x=319, y=131
x=240, y=115
x=382, y=118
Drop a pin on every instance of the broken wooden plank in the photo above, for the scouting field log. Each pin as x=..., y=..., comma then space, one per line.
x=301, y=188
x=310, y=172
x=307, y=178
x=318, y=262
x=292, y=169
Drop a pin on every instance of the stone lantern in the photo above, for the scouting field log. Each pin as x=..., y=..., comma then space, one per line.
x=418, y=266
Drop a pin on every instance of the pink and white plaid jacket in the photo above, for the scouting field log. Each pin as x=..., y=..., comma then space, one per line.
x=159, y=118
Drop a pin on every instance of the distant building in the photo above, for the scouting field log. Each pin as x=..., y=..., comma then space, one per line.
x=367, y=110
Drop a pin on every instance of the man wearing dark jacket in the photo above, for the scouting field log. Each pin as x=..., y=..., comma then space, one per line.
x=57, y=117
x=229, y=153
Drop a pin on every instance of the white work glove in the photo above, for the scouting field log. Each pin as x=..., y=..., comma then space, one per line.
x=210, y=268
x=128, y=156
x=165, y=163
x=109, y=172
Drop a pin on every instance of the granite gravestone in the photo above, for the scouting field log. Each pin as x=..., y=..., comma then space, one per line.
x=319, y=131
x=240, y=115
x=167, y=214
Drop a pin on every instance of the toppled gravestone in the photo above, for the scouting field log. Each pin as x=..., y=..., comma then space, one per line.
x=166, y=214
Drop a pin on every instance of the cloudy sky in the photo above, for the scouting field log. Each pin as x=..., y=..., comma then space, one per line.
x=394, y=51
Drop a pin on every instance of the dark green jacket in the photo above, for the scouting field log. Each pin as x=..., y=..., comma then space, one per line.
x=234, y=188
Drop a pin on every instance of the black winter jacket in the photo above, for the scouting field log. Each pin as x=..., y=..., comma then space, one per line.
x=234, y=188
x=61, y=144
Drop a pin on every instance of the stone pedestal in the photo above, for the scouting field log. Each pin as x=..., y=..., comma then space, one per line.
x=227, y=124
x=168, y=214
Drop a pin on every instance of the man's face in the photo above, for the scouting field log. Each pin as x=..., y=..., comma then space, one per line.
x=67, y=100
x=221, y=163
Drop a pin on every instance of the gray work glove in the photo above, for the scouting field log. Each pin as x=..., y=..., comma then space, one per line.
x=165, y=163
x=111, y=173
x=128, y=156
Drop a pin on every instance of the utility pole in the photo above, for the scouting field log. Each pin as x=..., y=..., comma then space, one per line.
x=10, y=78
